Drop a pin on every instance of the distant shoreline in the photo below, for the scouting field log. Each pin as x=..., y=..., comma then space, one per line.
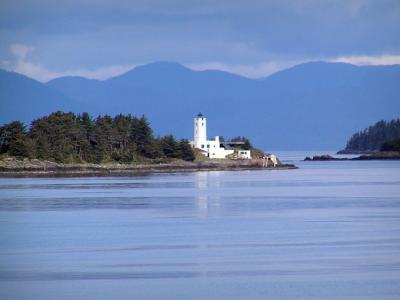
x=390, y=155
x=38, y=168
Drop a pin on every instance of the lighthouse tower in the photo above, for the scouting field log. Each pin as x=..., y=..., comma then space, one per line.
x=200, y=131
x=210, y=148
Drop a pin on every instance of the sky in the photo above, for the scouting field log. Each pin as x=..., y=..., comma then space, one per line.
x=45, y=39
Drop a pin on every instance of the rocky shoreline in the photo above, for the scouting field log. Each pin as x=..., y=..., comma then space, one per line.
x=11, y=167
x=373, y=156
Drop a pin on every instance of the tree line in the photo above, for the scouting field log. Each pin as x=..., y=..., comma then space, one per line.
x=393, y=145
x=78, y=138
x=373, y=137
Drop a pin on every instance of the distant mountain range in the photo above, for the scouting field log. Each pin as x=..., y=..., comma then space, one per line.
x=314, y=105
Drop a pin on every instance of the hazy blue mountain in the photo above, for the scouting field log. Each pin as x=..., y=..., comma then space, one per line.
x=310, y=106
x=22, y=98
x=170, y=95
x=323, y=101
x=75, y=86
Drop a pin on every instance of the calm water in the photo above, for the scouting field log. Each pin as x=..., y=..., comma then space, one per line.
x=330, y=230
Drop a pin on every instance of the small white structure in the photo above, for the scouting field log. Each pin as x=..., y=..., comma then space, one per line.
x=244, y=154
x=273, y=158
x=212, y=147
x=268, y=159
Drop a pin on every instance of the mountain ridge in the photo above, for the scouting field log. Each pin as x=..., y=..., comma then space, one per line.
x=311, y=105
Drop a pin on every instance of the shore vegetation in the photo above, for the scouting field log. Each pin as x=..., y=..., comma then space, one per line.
x=66, y=137
x=374, y=137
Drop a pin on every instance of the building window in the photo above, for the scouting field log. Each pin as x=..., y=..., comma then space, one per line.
x=202, y=124
x=202, y=146
x=208, y=145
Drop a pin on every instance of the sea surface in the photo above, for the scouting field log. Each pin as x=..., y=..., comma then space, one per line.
x=328, y=230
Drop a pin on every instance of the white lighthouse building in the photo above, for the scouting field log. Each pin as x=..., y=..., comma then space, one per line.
x=200, y=131
x=210, y=148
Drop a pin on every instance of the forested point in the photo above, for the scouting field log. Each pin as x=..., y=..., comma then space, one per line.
x=374, y=137
x=393, y=145
x=78, y=138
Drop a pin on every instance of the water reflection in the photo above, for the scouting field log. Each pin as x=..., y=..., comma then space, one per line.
x=208, y=194
x=324, y=229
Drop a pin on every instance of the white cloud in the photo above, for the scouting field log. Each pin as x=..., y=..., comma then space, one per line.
x=267, y=68
x=20, y=51
x=364, y=60
x=251, y=71
x=37, y=71
x=99, y=73
x=24, y=65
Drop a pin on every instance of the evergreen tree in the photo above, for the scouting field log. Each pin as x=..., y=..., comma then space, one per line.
x=142, y=136
x=86, y=139
x=372, y=138
x=103, y=139
x=123, y=150
x=393, y=145
x=185, y=150
x=246, y=146
x=169, y=146
x=56, y=137
x=66, y=137
x=13, y=140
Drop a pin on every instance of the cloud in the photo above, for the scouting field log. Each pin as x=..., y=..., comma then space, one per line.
x=267, y=68
x=100, y=73
x=76, y=33
x=364, y=60
x=250, y=70
x=24, y=65
x=37, y=71
x=20, y=51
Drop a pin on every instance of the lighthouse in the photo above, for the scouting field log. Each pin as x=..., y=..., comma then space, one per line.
x=200, y=131
x=210, y=148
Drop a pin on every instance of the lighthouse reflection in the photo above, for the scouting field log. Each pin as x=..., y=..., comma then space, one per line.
x=208, y=200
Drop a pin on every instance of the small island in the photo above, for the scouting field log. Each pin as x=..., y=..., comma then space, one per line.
x=378, y=142
x=67, y=144
x=372, y=139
